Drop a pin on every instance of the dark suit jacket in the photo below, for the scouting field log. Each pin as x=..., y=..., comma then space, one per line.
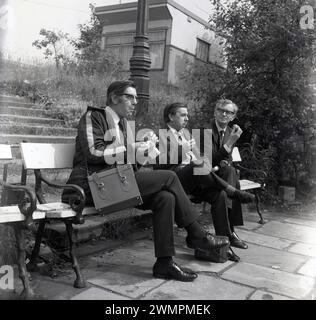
x=219, y=153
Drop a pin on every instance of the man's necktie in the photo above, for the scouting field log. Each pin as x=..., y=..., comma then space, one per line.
x=123, y=129
x=221, y=137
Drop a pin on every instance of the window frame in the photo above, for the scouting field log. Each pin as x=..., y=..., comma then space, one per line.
x=199, y=40
x=132, y=34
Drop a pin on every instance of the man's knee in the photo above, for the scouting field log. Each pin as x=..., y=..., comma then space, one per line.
x=227, y=171
x=165, y=198
x=221, y=196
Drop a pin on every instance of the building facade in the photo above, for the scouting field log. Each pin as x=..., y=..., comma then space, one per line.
x=178, y=34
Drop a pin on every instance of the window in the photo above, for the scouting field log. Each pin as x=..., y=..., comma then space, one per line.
x=202, y=50
x=121, y=45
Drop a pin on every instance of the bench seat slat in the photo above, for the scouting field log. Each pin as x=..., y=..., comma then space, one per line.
x=247, y=184
x=56, y=210
x=13, y=214
x=5, y=152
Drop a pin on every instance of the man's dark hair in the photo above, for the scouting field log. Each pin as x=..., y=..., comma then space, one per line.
x=118, y=88
x=172, y=109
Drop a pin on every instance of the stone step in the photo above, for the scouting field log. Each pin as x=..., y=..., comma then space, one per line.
x=12, y=98
x=9, y=118
x=16, y=101
x=11, y=103
x=17, y=138
x=22, y=111
x=36, y=130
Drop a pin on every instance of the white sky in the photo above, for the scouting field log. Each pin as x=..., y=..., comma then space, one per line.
x=26, y=17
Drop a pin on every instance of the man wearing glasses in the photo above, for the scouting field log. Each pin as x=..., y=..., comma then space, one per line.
x=223, y=141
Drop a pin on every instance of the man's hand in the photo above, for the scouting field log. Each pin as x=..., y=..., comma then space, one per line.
x=141, y=145
x=188, y=144
x=150, y=136
x=234, y=136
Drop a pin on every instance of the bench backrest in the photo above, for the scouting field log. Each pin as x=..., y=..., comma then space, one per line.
x=236, y=155
x=47, y=155
x=55, y=156
x=5, y=152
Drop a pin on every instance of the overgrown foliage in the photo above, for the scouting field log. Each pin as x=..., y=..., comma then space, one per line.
x=269, y=63
x=53, y=45
x=92, y=58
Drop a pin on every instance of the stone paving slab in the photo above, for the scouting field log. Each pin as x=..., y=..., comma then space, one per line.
x=60, y=288
x=279, y=282
x=203, y=288
x=206, y=266
x=138, y=253
x=289, y=231
x=309, y=268
x=98, y=294
x=250, y=225
x=130, y=282
x=271, y=258
x=264, y=240
x=302, y=222
x=305, y=249
x=263, y=295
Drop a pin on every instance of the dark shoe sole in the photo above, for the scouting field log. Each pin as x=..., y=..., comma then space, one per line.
x=233, y=257
x=239, y=246
x=169, y=277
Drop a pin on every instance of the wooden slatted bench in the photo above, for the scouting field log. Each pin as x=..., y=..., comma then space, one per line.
x=245, y=184
x=258, y=175
x=16, y=216
x=42, y=156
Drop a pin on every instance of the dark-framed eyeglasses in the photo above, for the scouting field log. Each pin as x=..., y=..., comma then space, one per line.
x=130, y=97
x=229, y=113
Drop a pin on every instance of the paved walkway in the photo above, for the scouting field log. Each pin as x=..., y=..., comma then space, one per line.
x=279, y=264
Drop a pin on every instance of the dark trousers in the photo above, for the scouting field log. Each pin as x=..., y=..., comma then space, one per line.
x=211, y=188
x=229, y=174
x=163, y=193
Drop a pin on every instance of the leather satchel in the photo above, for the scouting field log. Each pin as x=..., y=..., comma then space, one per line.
x=114, y=189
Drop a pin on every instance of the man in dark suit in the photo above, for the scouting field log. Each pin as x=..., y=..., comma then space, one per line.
x=103, y=135
x=183, y=157
x=223, y=141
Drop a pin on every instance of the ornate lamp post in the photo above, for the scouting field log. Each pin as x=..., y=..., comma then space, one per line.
x=140, y=60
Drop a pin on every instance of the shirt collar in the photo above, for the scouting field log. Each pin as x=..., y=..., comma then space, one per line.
x=174, y=131
x=114, y=115
x=219, y=129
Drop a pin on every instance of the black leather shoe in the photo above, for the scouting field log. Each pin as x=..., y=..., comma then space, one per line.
x=173, y=271
x=232, y=256
x=236, y=242
x=242, y=196
x=208, y=242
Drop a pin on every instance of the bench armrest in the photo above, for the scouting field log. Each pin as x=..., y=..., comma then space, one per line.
x=28, y=203
x=77, y=202
x=259, y=174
